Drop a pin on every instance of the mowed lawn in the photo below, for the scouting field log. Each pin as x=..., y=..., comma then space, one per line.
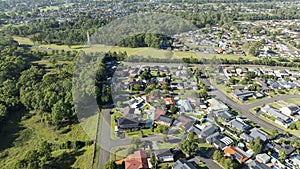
x=143, y=51
x=294, y=101
x=18, y=138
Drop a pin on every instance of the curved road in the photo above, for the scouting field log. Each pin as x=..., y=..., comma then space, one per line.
x=244, y=109
x=107, y=143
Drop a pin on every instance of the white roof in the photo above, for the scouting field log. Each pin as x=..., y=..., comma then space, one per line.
x=226, y=140
x=216, y=105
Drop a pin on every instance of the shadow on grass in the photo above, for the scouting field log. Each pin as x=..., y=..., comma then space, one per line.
x=10, y=130
x=66, y=160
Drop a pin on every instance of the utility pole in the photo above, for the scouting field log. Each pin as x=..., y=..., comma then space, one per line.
x=88, y=39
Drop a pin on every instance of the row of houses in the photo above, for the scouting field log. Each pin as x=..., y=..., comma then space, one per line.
x=285, y=116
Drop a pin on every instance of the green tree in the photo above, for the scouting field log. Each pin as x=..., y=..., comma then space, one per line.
x=256, y=145
x=189, y=145
x=282, y=155
x=274, y=133
x=217, y=155
x=110, y=165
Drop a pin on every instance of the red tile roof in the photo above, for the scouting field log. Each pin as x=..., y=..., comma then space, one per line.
x=137, y=160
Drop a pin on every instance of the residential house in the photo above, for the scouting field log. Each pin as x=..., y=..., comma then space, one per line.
x=253, y=164
x=164, y=155
x=295, y=160
x=169, y=155
x=290, y=110
x=239, y=125
x=283, y=147
x=185, y=106
x=280, y=118
x=242, y=95
x=236, y=153
x=137, y=160
x=184, y=122
x=195, y=129
x=126, y=123
x=165, y=120
x=255, y=132
x=237, y=87
x=214, y=139
x=170, y=101
x=246, y=137
x=219, y=141
x=273, y=84
x=159, y=113
x=224, y=115
x=183, y=164
x=208, y=131
x=216, y=105
x=263, y=158
x=239, y=52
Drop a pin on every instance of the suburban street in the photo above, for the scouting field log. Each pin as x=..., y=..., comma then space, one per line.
x=107, y=143
x=244, y=109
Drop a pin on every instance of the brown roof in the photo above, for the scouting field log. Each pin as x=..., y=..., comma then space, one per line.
x=159, y=113
x=137, y=160
x=239, y=156
x=170, y=101
x=186, y=121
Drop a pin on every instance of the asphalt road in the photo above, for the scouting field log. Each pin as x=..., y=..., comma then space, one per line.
x=106, y=142
x=244, y=109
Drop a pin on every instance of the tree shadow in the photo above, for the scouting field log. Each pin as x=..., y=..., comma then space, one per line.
x=66, y=160
x=11, y=130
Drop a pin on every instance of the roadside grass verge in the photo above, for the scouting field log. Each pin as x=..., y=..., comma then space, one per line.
x=119, y=153
x=293, y=101
x=113, y=124
x=294, y=132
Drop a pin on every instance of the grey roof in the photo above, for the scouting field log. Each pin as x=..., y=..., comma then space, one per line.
x=125, y=123
x=195, y=130
x=246, y=137
x=165, y=119
x=209, y=130
x=185, y=105
x=183, y=164
x=284, y=147
x=239, y=125
x=253, y=164
x=242, y=94
x=225, y=115
x=275, y=112
x=255, y=132
x=294, y=109
x=216, y=140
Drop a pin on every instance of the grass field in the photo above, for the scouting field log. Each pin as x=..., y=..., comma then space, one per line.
x=23, y=40
x=144, y=51
x=29, y=133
